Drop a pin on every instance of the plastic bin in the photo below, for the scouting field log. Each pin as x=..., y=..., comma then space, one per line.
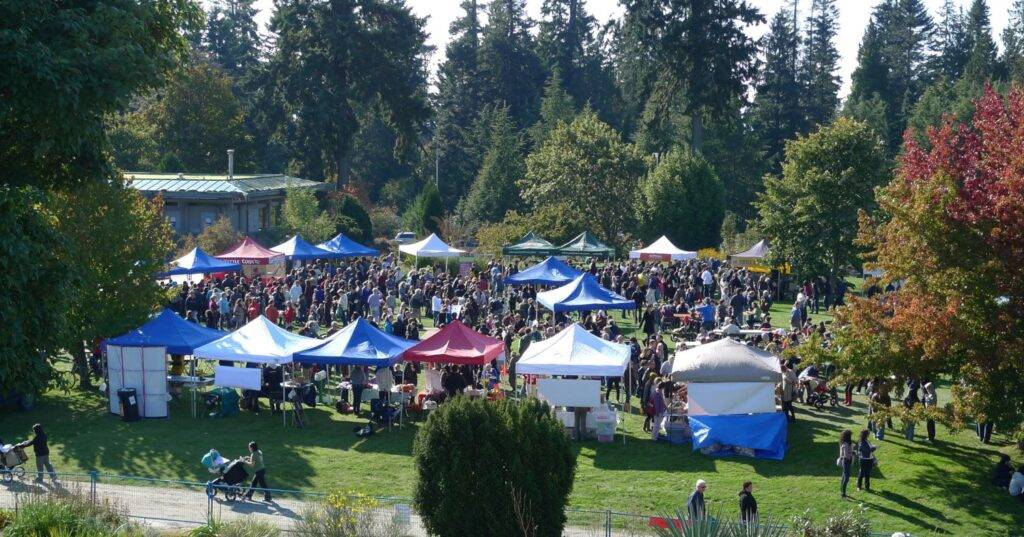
x=129, y=403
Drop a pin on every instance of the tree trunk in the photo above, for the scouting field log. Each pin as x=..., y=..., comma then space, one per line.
x=696, y=131
x=80, y=366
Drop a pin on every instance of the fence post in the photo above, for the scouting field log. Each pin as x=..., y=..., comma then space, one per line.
x=608, y=523
x=94, y=476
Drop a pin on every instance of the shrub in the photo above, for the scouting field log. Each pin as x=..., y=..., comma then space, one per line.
x=68, y=514
x=493, y=468
x=242, y=527
x=346, y=514
x=359, y=227
x=849, y=524
x=216, y=238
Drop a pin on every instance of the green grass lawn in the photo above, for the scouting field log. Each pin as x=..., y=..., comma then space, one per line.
x=926, y=489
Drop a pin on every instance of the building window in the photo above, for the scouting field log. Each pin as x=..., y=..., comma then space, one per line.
x=264, y=217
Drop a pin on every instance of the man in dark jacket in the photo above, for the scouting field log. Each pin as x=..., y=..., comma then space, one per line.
x=695, y=505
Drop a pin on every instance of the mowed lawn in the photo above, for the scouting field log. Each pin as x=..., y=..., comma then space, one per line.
x=926, y=489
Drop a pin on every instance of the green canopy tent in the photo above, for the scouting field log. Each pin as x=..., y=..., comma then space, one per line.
x=530, y=245
x=586, y=245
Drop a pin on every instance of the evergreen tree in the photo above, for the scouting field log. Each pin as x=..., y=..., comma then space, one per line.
x=460, y=98
x=634, y=66
x=950, y=43
x=820, y=63
x=982, y=60
x=777, y=113
x=704, y=47
x=1013, y=43
x=556, y=107
x=232, y=37
x=509, y=65
x=891, y=63
x=565, y=41
x=495, y=192
x=333, y=56
x=737, y=155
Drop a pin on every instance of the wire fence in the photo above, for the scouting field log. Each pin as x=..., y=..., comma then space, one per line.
x=171, y=504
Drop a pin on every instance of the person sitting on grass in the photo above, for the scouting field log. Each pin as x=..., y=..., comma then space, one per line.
x=1003, y=472
x=1017, y=483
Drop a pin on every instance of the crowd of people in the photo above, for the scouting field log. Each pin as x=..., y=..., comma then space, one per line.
x=695, y=299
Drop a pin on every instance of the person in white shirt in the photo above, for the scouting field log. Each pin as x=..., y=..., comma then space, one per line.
x=385, y=380
x=435, y=306
x=1017, y=483
x=295, y=292
x=709, y=279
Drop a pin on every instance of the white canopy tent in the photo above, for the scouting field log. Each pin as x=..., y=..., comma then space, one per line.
x=574, y=351
x=431, y=246
x=662, y=250
x=260, y=341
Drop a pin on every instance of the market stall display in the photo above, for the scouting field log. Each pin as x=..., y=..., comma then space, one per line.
x=255, y=259
x=731, y=399
x=297, y=249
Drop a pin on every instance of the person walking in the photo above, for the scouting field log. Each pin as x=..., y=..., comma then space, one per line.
x=866, y=457
x=41, y=449
x=786, y=392
x=259, y=472
x=748, y=505
x=695, y=505
x=930, y=399
x=657, y=402
x=845, y=460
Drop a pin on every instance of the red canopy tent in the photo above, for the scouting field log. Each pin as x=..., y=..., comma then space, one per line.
x=456, y=344
x=250, y=254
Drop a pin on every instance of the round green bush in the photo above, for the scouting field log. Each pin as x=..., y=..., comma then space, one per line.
x=493, y=468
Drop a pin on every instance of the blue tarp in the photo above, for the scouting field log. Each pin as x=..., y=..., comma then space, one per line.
x=168, y=330
x=359, y=343
x=346, y=247
x=297, y=249
x=766, y=434
x=551, y=271
x=199, y=262
x=583, y=294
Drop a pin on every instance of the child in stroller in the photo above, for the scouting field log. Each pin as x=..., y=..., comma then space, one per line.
x=230, y=475
x=11, y=460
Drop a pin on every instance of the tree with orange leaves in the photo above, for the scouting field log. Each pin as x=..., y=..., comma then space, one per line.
x=951, y=233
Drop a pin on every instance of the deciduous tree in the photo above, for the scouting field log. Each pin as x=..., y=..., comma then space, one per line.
x=684, y=200
x=587, y=164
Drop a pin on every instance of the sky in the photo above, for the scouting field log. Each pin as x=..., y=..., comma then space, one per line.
x=853, y=18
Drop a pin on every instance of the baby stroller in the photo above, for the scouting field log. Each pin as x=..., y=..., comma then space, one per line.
x=231, y=475
x=821, y=390
x=11, y=459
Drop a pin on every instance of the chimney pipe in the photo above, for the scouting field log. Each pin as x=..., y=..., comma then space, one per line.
x=231, y=164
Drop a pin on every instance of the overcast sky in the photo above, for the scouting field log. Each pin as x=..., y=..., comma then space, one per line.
x=853, y=17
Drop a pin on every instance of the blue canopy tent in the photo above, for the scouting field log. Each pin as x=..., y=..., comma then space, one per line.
x=199, y=262
x=551, y=271
x=346, y=247
x=359, y=343
x=583, y=294
x=168, y=330
x=297, y=249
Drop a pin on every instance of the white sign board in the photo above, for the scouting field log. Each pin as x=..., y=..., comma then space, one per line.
x=723, y=398
x=246, y=378
x=570, y=392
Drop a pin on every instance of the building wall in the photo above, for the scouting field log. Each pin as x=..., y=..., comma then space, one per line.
x=191, y=216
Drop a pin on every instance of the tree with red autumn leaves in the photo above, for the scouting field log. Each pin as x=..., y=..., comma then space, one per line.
x=950, y=230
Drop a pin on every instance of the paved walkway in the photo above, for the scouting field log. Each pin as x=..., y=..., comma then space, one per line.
x=173, y=506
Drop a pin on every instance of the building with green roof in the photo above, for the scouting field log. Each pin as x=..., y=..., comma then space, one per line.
x=194, y=201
